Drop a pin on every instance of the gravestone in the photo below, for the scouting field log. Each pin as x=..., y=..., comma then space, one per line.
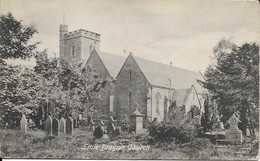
x=55, y=127
x=233, y=133
x=137, y=121
x=92, y=125
x=69, y=126
x=75, y=123
x=197, y=120
x=48, y=126
x=23, y=124
x=125, y=125
x=101, y=123
x=111, y=125
x=63, y=125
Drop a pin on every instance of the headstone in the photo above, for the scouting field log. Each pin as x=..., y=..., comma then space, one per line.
x=55, y=127
x=63, y=125
x=197, y=119
x=75, y=123
x=233, y=133
x=137, y=121
x=92, y=125
x=69, y=126
x=125, y=125
x=23, y=124
x=111, y=125
x=48, y=126
x=101, y=123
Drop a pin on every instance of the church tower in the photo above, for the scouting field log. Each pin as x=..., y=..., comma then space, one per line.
x=77, y=44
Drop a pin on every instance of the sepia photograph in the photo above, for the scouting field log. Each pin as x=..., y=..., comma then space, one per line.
x=129, y=80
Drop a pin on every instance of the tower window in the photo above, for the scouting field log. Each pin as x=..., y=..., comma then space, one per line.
x=73, y=50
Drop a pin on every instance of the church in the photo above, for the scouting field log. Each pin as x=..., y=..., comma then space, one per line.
x=153, y=87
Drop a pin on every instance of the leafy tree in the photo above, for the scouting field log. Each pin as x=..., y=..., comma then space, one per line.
x=14, y=38
x=233, y=81
x=70, y=85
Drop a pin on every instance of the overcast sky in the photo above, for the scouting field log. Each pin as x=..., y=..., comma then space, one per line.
x=180, y=31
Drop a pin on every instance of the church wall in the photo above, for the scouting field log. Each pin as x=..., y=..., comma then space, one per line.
x=192, y=100
x=159, y=104
x=87, y=47
x=131, y=89
x=76, y=42
x=103, y=101
x=96, y=64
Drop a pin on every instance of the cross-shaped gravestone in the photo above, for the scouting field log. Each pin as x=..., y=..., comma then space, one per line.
x=233, y=133
x=233, y=121
x=23, y=124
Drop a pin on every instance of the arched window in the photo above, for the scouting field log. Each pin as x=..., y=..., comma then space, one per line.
x=129, y=98
x=111, y=103
x=73, y=50
x=90, y=48
x=157, y=97
x=130, y=75
x=165, y=104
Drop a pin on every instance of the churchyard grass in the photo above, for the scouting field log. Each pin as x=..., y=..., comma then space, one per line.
x=35, y=144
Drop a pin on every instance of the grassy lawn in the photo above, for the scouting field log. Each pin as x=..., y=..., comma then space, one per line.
x=35, y=144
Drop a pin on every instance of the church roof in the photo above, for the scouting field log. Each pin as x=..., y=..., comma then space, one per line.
x=180, y=95
x=159, y=74
x=112, y=62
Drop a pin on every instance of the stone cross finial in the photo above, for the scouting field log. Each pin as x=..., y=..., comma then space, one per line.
x=233, y=121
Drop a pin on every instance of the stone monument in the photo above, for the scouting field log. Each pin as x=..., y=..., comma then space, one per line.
x=23, y=124
x=137, y=121
x=233, y=133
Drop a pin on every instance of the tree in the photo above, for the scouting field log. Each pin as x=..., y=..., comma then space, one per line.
x=69, y=85
x=14, y=38
x=233, y=81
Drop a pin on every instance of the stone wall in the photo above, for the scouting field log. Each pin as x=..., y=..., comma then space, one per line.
x=159, y=110
x=103, y=101
x=131, y=83
x=83, y=41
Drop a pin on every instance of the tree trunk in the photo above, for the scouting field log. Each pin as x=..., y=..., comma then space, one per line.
x=244, y=122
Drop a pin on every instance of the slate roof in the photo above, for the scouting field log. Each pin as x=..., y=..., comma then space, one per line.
x=180, y=95
x=159, y=74
x=112, y=62
x=156, y=73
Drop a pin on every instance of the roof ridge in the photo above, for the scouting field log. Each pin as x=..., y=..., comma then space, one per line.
x=153, y=61
x=104, y=52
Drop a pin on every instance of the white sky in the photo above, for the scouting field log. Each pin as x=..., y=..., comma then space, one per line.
x=181, y=31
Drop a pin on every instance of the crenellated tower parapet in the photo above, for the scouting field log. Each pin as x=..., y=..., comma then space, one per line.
x=77, y=44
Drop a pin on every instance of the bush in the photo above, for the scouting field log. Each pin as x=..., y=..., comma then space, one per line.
x=165, y=133
x=98, y=132
x=116, y=132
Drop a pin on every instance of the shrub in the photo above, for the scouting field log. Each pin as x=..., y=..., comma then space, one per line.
x=98, y=132
x=116, y=132
x=165, y=133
